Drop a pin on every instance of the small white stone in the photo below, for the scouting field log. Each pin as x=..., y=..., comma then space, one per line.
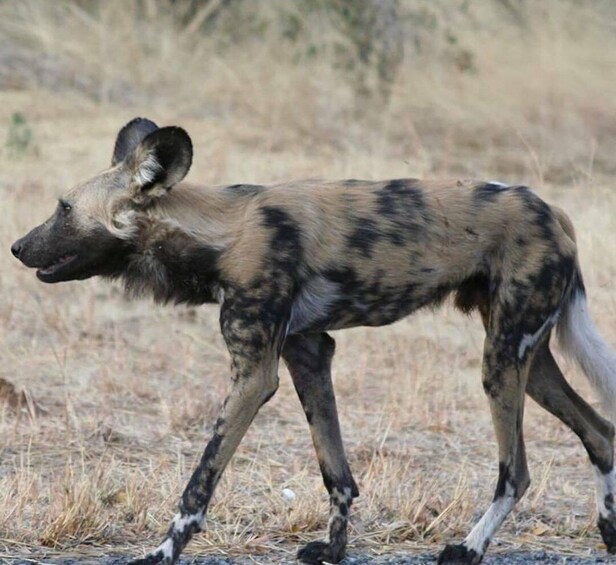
x=288, y=494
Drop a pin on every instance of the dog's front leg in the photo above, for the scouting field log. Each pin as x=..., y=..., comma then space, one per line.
x=255, y=348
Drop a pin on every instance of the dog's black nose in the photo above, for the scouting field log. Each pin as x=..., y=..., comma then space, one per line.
x=16, y=249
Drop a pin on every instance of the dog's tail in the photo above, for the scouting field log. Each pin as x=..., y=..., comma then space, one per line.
x=580, y=340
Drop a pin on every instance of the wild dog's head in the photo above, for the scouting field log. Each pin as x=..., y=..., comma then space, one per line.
x=90, y=231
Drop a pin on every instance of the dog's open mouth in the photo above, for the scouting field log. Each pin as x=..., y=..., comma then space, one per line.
x=55, y=266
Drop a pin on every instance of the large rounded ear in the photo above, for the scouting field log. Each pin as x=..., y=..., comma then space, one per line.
x=161, y=160
x=131, y=135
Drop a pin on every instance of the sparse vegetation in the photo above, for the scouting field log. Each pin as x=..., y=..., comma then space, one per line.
x=19, y=137
x=112, y=401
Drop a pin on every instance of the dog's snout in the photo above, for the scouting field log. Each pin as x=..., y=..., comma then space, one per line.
x=16, y=248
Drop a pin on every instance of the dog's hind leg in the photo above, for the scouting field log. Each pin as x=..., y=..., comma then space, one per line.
x=548, y=387
x=309, y=361
x=504, y=381
x=517, y=321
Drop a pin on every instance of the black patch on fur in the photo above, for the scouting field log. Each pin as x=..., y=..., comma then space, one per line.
x=286, y=245
x=253, y=319
x=192, y=273
x=345, y=276
x=548, y=286
x=364, y=237
x=374, y=302
x=403, y=209
x=176, y=269
x=400, y=196
x=472, y=293
x=552, y=273
x=111, y=255
x=539, y=213
x=244, y=189
x=504, y=477
x=340, y=483
x=395, y=237
x=487, y=192
x=200, y=488
x=272, y=293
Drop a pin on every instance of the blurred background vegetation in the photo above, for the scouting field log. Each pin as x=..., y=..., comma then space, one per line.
x=531, y=83
x=457, y=87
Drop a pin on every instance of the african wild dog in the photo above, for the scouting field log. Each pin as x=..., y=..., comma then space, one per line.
x=290, y=262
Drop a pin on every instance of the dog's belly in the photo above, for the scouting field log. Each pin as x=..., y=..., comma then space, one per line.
x=324, y=305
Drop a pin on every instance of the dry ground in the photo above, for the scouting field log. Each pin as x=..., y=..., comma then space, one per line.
x=119, y=397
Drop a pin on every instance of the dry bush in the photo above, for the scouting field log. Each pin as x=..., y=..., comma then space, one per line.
x=129, y=390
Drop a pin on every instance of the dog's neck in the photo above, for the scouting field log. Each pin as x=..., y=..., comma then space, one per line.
x=176, y=247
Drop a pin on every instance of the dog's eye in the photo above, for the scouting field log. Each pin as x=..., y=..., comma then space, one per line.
x=66, y=207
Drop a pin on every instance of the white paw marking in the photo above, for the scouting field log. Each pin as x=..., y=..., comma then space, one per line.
x=482, y=533
x=166, y=548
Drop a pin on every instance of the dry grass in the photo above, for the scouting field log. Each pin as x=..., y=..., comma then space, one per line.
x=115, y=399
